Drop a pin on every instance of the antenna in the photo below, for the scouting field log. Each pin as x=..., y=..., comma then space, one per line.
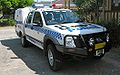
x=51, y=2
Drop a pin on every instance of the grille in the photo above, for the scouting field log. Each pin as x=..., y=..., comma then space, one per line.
x=98, y=37
x=79, y=42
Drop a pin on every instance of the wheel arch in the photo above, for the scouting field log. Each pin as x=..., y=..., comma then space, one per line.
x=49, y=40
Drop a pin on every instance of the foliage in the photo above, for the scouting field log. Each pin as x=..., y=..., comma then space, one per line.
x=86, y=6
x=0, y=7
x=24, y=3
x=8, y=5
x=11, y=22
x=114, y=29
x=7, y=22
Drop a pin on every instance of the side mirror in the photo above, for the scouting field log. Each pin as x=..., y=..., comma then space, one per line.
x=35, y=24
x=38, y=24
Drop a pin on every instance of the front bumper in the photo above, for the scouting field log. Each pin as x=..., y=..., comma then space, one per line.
x=83, y=47
x=81, y=51
x=75, y=51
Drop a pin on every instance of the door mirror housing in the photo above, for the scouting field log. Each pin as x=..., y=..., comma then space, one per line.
x=38, y=24
x=35, y=24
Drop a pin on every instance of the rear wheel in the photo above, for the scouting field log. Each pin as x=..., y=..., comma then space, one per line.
x=54, y=57
x=24, y=42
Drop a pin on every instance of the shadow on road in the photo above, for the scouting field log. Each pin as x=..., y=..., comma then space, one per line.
x=33, y=57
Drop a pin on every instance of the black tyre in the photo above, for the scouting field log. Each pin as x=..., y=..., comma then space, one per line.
x=24, y=42
x=53, y=57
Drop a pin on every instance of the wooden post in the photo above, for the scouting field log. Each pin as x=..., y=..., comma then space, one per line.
x=68, y=4
x=117, y=18
x=104, y=4
x=65, y=3
x=97, y=12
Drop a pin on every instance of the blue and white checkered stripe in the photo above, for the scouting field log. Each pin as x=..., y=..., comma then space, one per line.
x=47, y=32
x=19, y=22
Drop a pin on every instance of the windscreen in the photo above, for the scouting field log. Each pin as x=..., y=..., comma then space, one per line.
x=60, y=17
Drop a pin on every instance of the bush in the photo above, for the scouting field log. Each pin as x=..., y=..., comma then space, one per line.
x=7, y=22
x=114, y=29
x=11, y=22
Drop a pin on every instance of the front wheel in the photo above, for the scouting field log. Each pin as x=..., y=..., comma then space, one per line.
x=53, y=56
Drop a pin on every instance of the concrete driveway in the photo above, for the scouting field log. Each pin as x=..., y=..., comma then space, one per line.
x=16, y=60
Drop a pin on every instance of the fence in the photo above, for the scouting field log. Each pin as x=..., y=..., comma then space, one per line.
x=107, y=17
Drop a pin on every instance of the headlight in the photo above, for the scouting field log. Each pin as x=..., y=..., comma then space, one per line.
x=70, y=42
x=91, y=41
x=107, y=38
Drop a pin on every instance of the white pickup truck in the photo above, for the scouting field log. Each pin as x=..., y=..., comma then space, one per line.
x=59, y=32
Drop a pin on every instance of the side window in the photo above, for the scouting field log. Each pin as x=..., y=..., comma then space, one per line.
x=29, y=18
x=37, y=18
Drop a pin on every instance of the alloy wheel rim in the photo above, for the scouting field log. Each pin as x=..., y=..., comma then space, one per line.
x=50, y=57
x=22, y=40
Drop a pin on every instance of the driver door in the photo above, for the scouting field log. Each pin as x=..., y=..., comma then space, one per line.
x=37, y=35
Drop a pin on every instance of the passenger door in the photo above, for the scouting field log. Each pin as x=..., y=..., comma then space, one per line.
x=28, y=25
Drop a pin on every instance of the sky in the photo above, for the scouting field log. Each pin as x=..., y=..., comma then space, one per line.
x=42, y=0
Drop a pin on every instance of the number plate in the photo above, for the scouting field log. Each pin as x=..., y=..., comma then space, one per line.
x=100, y=45
x=99, y=52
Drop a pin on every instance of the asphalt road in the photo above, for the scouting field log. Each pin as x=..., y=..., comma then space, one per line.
x=16, y=60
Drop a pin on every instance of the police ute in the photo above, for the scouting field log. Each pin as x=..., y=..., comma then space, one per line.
x=61, y=34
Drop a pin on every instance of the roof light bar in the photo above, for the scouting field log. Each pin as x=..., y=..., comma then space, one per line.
x=57, y=6
x=38, y=6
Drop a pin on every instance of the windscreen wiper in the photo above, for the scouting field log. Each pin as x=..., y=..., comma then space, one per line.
x=79, y=21
x=65, y=22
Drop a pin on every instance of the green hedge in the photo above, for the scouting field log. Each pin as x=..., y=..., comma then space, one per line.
x=114, y=29
x=7, y=22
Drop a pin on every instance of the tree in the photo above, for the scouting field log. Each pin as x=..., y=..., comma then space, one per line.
x=87, y=6
x=11, y=5
x=24, y=3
